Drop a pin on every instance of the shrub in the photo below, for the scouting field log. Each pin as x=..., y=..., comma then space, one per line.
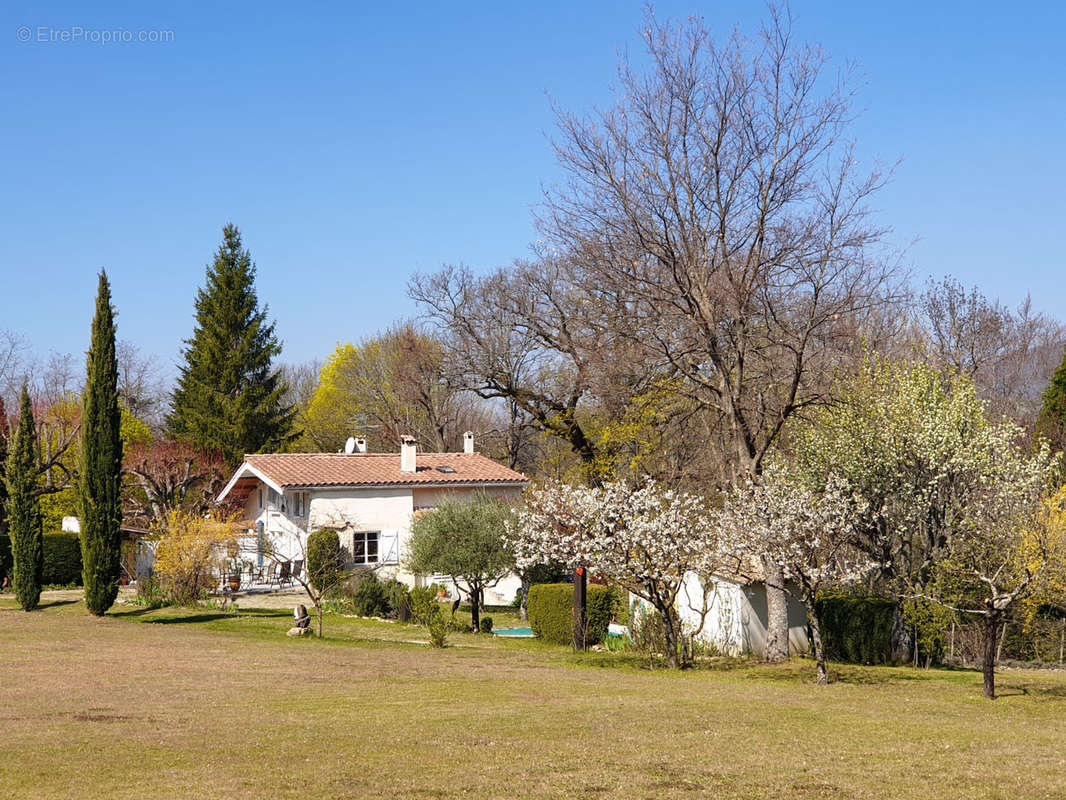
x=423, y=600
x=325, y=561
x=427, y=611
x=437, y=625
x=62, y=559
x=399, y=600
x=551, y=611
x=857, y=629
x=149, y=593
x=368, y=596
x=486, y=624
x=647, y=629
x=190, y=556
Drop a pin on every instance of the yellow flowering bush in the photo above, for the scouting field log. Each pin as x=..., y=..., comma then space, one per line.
x=190, y=555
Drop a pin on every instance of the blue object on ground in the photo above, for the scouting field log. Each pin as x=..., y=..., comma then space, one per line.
x=519, y=633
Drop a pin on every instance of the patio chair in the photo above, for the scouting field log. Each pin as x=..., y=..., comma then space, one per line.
x=284, y=573
x=255, y=575
x=297, y=568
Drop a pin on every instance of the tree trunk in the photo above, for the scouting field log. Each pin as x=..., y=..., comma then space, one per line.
x=318, y=613
x=990, y=640
x=816, y=638
x=475, y=608
x=776, y=612
x=902, y=641
x=523, y=607
x=671, y=626
x=580, y=613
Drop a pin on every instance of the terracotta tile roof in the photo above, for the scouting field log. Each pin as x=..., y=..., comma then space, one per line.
x=380, y=469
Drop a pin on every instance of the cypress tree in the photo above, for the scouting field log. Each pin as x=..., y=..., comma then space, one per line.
x=5, y=540
x=100, y=466
x=1051, y=422
x=24, y=509
x=227, y=398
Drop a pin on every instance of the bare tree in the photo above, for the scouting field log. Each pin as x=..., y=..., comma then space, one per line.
x=301, y=381
x=169, y=475
x=720, y=201
x=538, y=339
x=142, y=390
x=720, y=204
x=13, y=352
x=1010, y=355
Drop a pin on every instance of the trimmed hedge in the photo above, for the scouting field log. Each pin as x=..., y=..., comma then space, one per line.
x=551, y=611
x=857, y=629
x=62, y=559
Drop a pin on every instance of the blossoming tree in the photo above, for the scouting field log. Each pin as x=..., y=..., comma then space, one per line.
x=810, y=534
x=645, y=539
x=1010, y=545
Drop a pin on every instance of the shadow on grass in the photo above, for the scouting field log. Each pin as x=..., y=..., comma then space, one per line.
x=1043, y=690
x=191, y=619
x=137, y=612
x=58, y=603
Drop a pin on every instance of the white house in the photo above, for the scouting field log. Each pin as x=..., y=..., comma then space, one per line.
x=370, y=499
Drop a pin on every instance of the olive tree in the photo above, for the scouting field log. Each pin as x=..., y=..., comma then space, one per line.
x=464, y=540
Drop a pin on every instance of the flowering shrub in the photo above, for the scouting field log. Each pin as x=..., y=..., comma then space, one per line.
x=190, y=556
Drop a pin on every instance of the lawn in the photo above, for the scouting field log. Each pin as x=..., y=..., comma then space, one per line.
x=201, y=704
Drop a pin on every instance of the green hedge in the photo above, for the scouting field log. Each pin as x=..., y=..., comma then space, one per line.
x=857, y=629
x=325, y=564
x=62, y=559
x=551, y=611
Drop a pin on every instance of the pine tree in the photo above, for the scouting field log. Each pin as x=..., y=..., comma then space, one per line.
x=100, y=466
x=1051, y=422
x=5, y=540
x=24, y=509
x=228, y=399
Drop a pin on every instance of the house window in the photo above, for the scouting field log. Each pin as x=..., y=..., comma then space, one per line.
x=299, y=504
x=273, y=499
x=365, y=547
x=260, y=499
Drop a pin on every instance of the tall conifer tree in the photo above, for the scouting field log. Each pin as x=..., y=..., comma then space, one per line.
x=5, y=540
x=228, y=397
x=24, y=509
x=100, y=467
x=1051, y=422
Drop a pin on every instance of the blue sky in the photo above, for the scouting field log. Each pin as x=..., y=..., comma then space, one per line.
x=356, y=143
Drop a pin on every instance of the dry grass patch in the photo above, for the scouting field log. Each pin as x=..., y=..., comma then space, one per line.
x=205, y=705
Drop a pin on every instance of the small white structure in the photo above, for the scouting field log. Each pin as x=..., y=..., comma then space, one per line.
x=736, y=621
x=370, y=499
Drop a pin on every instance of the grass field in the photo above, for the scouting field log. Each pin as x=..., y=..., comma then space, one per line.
x=180, y=703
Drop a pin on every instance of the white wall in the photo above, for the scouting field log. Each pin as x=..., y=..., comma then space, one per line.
x=284, y=533
x=736, y=618
x=387, y=511
x=723, y=626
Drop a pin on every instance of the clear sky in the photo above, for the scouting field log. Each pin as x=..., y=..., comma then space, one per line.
x=355, y=143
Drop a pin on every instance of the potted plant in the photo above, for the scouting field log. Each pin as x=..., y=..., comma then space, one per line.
x=233, y=577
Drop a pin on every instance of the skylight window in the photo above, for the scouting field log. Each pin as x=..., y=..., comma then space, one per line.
x=446, y=469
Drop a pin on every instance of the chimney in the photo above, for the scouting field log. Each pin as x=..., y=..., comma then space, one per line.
x=360, y=445
x=468, y=443
x=407, y=454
